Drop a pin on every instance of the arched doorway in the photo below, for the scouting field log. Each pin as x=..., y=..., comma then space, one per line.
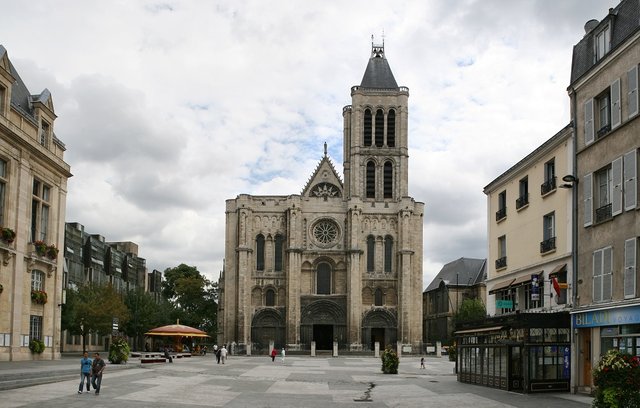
x=379, y=325
x=323, y=321
x=267, y=325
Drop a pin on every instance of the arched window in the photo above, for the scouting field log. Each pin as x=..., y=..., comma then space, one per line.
x=270, y=297
x=388, y=180
x=388, y=253
x=323, y=279
x=377, y=298
x=391, y=128
x=371, y=180
x=260, y=252
x=367, y=127
x=277, y=256
x=379, y=128
x=371, y=248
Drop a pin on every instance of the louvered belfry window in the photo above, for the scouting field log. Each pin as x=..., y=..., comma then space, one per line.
x=391, y=128
x=367, y=127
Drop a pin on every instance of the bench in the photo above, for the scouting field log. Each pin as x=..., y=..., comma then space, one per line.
x=153, y=360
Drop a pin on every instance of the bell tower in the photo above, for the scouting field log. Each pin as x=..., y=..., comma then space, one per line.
x=375, y=134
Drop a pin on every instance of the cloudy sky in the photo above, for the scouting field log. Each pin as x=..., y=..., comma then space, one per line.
x=168, y=108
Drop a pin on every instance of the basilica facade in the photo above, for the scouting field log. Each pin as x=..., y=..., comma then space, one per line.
x=341, y=261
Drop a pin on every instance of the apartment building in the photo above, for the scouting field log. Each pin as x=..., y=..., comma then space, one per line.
x=524, y=345
x=33, y=195
x=89, y=258
x=604, y=103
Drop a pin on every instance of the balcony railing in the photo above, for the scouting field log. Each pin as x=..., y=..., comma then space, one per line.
x=501, y=213
x=603, y=213
x=548, y=186
x=501, y=262
x=522, y=201
x=548, y=245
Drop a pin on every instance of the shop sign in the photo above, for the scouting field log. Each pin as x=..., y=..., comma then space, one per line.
x=504, y=304
x=535, y=288
x=566, y=363
x=609, y=317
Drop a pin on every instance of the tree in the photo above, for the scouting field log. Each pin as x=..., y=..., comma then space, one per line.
x=470, y=310
x=193, y=296
x=145, y=314
x=91, y=309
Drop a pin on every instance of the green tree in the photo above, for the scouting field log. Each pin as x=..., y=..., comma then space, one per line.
x=470, y=310
x=145, y=314
x=91, y=309
x=193, y=296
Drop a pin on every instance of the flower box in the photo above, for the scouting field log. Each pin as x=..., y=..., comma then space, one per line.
x=39, y=296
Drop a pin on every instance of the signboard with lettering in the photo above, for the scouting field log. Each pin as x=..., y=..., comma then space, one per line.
x=535, y=288
x=504, y=304
x=608, y=317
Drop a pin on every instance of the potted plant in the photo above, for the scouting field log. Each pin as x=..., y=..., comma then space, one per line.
x=52, y=252
x=39, y=296
x=390, y=361
x=36, y=346
x=118, y=350
x=7, y=235
x=617, y=380
x=40, y=247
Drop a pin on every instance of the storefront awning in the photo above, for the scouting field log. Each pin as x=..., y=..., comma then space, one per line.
x=510, y=283
x=558, y=269
x=479, y=330
x=502, y=285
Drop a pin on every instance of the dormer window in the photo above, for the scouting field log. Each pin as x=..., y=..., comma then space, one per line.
x=603, y=42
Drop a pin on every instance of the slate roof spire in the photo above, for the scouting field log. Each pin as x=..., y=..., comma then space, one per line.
x=378, y=73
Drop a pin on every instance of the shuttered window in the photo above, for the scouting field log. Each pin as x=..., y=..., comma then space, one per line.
x=630, y=180
x=616, y=186
x=602, y=268
x=588, y=199
x=588, y=122
x=616, y=113
x=388, y=180
x=632, y=93
x=379, y=131
x=630, y=250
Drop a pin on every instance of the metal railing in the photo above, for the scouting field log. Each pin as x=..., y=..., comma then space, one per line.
x=548, y=186
x=548, y=245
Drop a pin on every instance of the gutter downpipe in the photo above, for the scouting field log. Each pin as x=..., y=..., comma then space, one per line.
x=574, y=244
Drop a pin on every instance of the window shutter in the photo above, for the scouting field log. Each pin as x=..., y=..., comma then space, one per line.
x=616, y=113
x=630, y=180
x=630, y=246
x=616, y=189
x=632, y=96
x=588, y=122
x=588, y=200
x=607, y=269
x=597, y=276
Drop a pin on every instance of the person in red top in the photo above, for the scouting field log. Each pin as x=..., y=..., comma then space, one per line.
x=273, y=354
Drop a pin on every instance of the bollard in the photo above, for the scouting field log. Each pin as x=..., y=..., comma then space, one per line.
x=313, y=349
x=377, y=349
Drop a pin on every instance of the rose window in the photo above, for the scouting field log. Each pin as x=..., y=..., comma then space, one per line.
x=325, y=232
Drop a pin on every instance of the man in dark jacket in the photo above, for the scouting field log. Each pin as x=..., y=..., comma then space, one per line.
x=97, y=367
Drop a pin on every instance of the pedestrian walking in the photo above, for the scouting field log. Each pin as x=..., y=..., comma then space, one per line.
x=204, y=350
x=422, y=363
x=218, y=353
x=85, y=372
x=273, y=354
x=223, y=354
x=167, y=355
x=97, y=367
x=283, y=355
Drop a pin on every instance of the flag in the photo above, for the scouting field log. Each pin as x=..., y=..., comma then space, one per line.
x=556, y=285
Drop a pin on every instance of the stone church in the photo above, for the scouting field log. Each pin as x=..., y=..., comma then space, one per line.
x=341, y=261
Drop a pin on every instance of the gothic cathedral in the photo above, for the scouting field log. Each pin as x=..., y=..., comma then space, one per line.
x=342, y=261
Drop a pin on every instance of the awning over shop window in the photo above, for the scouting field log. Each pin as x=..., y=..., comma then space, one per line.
x=511, y=283
x=502, y=285
x=558, y=269
x=479, y=330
